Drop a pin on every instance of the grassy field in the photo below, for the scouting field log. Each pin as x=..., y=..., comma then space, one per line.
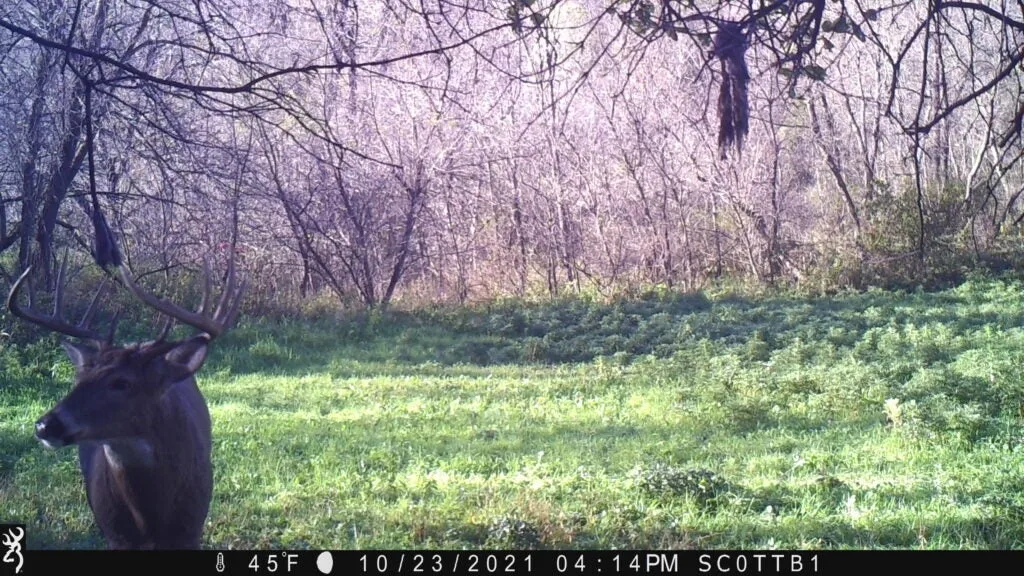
x=867, y=420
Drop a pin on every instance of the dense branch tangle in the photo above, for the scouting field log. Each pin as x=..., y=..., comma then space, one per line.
x=512, y=112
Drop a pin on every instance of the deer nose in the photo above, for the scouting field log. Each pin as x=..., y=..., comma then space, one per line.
x=51, y=430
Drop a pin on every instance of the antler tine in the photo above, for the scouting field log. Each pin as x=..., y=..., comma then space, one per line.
x=212, y=327
x=166, y=328
x=58, y=291
x=53, y=323
x=231, y=298
x=229, y=287
x=206, y=286
x=113, y=327
x=232, y=313
x=87, y=317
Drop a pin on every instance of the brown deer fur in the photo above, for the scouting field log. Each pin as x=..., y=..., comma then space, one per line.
x=147, y=463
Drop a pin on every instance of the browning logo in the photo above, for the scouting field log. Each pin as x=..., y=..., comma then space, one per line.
x=12, y=536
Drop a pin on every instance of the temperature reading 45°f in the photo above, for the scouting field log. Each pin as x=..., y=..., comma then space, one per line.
x=274, y=561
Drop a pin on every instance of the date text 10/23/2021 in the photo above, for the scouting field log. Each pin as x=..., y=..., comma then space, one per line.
x=588, y=563
x=541, y=562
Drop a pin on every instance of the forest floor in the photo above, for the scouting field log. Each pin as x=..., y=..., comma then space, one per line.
x=863, y=420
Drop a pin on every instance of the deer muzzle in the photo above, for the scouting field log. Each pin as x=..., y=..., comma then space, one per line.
x=55, y=430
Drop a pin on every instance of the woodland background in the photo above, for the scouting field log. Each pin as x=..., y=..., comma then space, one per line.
x=396, y=152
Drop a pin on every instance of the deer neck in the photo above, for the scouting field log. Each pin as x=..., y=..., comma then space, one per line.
x=121, y=455
x=128, y=453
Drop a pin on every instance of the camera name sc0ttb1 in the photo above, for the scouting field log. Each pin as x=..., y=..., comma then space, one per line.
x=583, y=563
x=757, y=563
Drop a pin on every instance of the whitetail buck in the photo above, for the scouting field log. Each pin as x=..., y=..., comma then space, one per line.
x=141, y=425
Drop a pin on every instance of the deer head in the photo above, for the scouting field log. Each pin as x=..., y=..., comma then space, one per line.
x=118, y=390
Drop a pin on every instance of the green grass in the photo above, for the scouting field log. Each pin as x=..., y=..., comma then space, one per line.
x=864, y=420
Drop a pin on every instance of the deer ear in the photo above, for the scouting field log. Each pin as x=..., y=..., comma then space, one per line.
x=78, y=353
x=189, y=355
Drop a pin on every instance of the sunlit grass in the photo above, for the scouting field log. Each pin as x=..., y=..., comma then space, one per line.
x=880, y=419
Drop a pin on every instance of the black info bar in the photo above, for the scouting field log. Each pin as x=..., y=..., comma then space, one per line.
x=507, y=562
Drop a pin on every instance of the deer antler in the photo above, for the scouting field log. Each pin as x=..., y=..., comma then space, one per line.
x=213, y=325
x=54, y=322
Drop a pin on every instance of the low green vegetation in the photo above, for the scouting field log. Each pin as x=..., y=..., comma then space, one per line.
x=864, y=420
